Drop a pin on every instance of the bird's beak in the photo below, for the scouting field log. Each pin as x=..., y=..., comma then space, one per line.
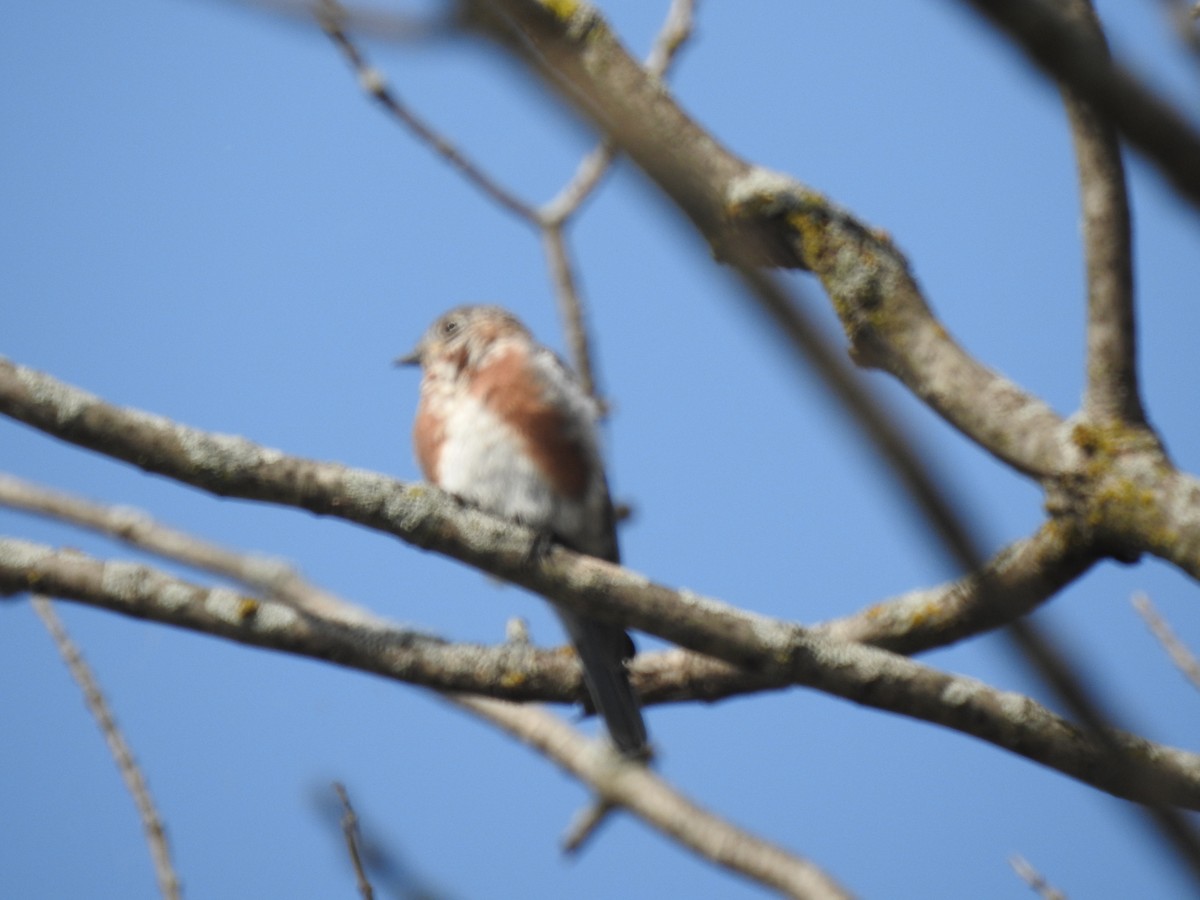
x=409, y=359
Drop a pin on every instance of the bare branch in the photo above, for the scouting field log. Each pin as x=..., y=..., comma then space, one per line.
x=386, y=25
x=1130, y=497
x=554, y=215
x=273, y=577
x=580, y=56
x=1018, y=579
x=1046, y=657
x=781, y=651
x=570, y=304
x=638, y=789
x=147, y=593
x=1057, y=45
x=584, y=825
x=1184, y=659
x=131, y=773
x=332, y=18
x=1034, y=879
x=349, y=824
x=1112, y=381
x=617, y=781
x=887, y=436
x=675, y=33
x=383, y=868
x=591, y=171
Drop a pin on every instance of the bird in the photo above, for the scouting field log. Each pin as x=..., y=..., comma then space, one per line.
x=504, y=425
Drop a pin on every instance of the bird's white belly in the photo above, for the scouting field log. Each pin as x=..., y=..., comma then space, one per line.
x=484, y=462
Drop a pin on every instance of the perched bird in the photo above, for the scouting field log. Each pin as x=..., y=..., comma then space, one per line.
x=504, y=425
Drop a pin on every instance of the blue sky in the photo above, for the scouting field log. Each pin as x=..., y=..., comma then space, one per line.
x=206, y=220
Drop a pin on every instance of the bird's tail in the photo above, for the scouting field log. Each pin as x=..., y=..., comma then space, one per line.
x=602, y=650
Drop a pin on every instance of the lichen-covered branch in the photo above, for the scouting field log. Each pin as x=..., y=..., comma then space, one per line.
x=1126, y=497
x=751, y=216
x=1019, y=579
x=144, y=592
x=1022, y=576
x=780, y=650
x=510, y=671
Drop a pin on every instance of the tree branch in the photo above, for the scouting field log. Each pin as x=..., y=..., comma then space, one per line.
x=272, y=577
x=1185, y=660
x=751, y=216
x=232, y=466
x=570, y=304
x=143, y=592
x=674, y=34
x=572, y=48
x=131, y=773
x=550, y=218
x=779, y=650
x=638, y=789
x=1112, y=380
x=1020, y=578
x=1055, y=43
x=332, y=18
x=350, y=832
x=1032, y=877
x=1023, y=576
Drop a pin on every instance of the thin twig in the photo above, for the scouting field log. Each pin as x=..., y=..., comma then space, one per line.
x=591, y=171
x=677, y=29
x=1045, y=656
x=570, y=305
x=152, y=826
x=638, y=789
x=136, y=528
x=554, y=214
x=349, y=824
x=381, y=24
x=584, y=825
x=379, y=866
x=331, y=16
x=1034, y=879
x=1183, y=658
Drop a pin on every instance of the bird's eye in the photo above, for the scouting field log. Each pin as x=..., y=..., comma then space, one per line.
x=450, y=327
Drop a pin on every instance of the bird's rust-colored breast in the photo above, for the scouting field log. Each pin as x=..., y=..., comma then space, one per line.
x=507, y=384
x=429, y=432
